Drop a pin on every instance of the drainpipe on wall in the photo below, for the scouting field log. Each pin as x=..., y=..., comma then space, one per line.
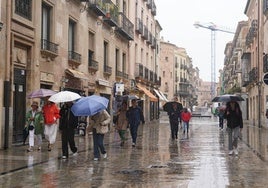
x=7, y=83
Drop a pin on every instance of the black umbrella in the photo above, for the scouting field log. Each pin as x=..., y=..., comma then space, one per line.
x=168, y=106
x=227, y=98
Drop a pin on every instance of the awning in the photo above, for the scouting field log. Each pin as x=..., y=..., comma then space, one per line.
x=148, y=93
x=159, y=95
x=76, y=74
x=164, y=97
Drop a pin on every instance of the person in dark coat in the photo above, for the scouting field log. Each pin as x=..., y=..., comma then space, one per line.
x=134, y=116
x=233, y=114
x=174, y=117
x=68, y=123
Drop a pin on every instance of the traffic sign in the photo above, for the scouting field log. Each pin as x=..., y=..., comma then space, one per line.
x=265, y=78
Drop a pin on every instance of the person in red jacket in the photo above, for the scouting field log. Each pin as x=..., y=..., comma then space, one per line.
x=185, y=117
x=51, y=113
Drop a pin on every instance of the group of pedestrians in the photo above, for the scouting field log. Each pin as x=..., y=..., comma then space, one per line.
x=177, y=114
x=45, y=122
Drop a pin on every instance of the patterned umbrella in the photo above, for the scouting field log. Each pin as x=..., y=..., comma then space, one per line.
x=41, y=93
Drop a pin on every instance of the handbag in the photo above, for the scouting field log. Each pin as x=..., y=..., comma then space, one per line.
x=102, y=129
x=31, y=127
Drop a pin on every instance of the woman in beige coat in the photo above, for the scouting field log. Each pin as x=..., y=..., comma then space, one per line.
x=122, y=123
x=100, y=119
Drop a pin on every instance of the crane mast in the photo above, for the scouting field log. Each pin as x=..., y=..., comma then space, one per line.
x=213, y=28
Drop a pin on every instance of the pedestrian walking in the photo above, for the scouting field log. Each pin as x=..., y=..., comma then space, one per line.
x=174, y=118
x=97, y=121
x=134, y=116
x=51, y=115
x=233, y=114
x=67, y=125
x=122, y=123
x=185, y=116
x=221, y=116
x=35, y=126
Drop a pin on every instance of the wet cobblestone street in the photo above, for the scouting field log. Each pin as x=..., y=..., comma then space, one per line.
x=199, y=159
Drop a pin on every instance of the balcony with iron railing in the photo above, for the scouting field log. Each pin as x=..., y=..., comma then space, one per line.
x=119, y=74
x=253, y=75
x=153, y=45
x=49, y=49
x=139, y=26
x=139, y=72
x=149, y=4
x=125, y=75
x=97, y=6
x=153, y=9
x=74, y=57
x=150, y=38
x=107, y=70
x=145, y=33
x=112, y=14
x=93, y=65
x=151, y=76
x=158, y=81
x=146, y=73
x=125, y=27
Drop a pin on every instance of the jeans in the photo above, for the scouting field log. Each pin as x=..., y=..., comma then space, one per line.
x=98, y=144
x=185, y=126
x=134, y=131
x=233, y=137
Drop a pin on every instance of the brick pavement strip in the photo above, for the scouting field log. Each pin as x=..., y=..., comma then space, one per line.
x=198, y=160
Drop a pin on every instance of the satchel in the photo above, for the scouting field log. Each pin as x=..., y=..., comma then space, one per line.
x=102, y=129
x=31, y=127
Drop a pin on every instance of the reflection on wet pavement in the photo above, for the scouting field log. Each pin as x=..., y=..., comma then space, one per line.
x=199, y=159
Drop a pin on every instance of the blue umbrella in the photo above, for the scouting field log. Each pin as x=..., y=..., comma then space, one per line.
x=89, y=106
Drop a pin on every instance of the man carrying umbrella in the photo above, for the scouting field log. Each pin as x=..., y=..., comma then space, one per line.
x=174, y=109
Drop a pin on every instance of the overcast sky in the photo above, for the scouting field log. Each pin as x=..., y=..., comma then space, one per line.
x=177, y=17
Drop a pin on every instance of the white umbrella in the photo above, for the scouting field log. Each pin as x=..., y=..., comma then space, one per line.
x=64, y=96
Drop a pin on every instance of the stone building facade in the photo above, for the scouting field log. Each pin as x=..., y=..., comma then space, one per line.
x=81, y=46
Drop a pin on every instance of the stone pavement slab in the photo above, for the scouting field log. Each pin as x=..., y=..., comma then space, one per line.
x=199, y=159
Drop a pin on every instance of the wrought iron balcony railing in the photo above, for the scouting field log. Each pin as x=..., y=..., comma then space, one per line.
x=107, y=70
x=74, y=57
x=93, y=65
x=139, y=26
x=112, y=14
x=49, y=49
x=125, y=27
x=98, y=7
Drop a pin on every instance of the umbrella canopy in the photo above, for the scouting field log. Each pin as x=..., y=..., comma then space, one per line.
x=89, y=106
x=41, y=93
x=64, y=96
x=168, y=106
x=227, y=98
x=130, y=97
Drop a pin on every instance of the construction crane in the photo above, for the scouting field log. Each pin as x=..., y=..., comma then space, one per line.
x=213, y=27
